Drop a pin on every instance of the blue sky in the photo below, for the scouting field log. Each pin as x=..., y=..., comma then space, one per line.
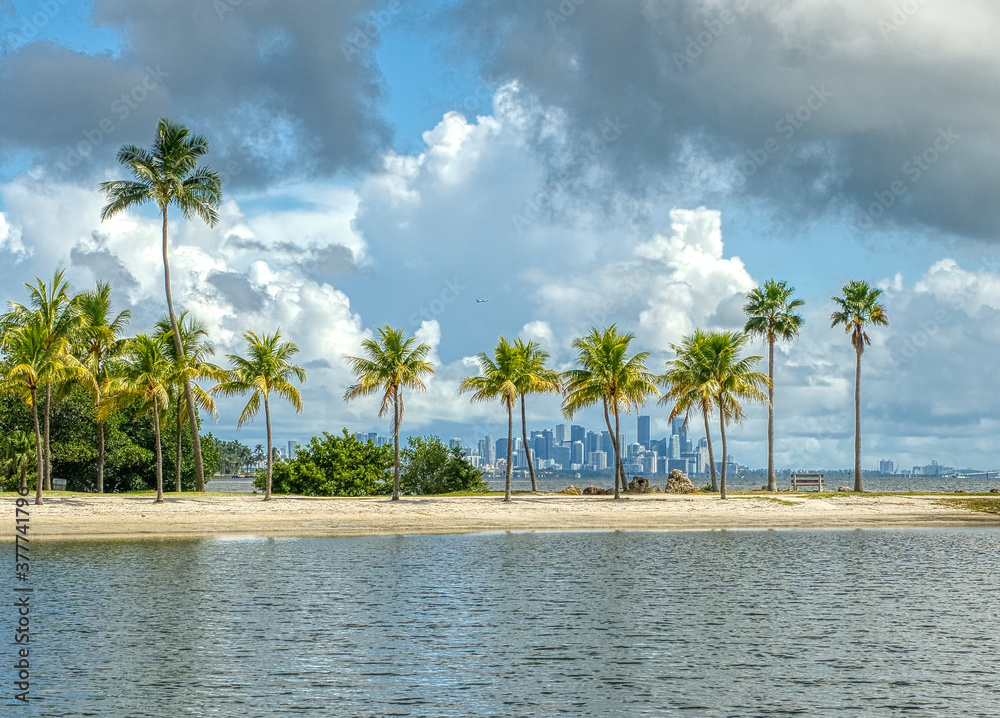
x=644, y=163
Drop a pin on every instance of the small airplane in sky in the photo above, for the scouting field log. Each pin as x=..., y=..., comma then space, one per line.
x=480, y=301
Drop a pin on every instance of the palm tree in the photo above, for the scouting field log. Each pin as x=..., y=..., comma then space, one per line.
x=264, y=371
x=689, y=385
x=51, y=308
x=33, y=363
x=770, y=312
x=731, y=379
x=166, y=175
x=534, y=378
x=17, y=453
x=189, y=366
x=390, y=364
x=144, y=379
x=858, y=308
x=606, y=374
x=498, y=379
x=100, y=343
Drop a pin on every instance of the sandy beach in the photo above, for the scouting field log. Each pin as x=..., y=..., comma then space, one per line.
x=91, y=517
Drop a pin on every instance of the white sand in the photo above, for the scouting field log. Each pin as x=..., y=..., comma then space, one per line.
x=89, y=516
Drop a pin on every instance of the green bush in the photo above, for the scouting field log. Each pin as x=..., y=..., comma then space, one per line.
x=429, y=467
x=333, y=466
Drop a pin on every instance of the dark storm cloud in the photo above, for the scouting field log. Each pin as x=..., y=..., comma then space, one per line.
x=268, y=83
x=238, y=291
x=105, y=265
x=330, y=262
x=811, y=106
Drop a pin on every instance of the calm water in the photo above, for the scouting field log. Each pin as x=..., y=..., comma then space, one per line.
x=734, y=623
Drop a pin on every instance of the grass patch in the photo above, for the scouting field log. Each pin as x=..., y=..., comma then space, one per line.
x=981, y=505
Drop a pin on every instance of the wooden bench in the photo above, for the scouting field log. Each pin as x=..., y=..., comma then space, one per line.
x=807, y=481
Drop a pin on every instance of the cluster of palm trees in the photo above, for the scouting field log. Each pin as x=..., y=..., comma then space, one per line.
x=56, y=341
x=707, y=375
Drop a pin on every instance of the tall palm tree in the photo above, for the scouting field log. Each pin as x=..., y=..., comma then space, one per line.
x=390, y=364
x=56, y=314
x=607, y=375
x=169, y=175
x=732, y=379
x=770, y=312
x=100, y=343
x=190, y=366
x=534, y=378
x=33, y=362
x=858, y=308
x=265, y=370
x=144, y=380
x=689, y=386
x=17, y=453
x=498, y=379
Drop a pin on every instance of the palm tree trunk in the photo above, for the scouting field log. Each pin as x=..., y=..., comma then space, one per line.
x=178, y=455
x=48, y=446
x=510, y=456
x=199, y=468
x=24, y=477
x=722, y=474
x=38, y=448
x=858, y=480
x=772, y=482
x=395, y=444
x=527, y=451
x=614, y=446
x=100, y=457
x=159, y=452
x=270, y=459
x=711, y=458
x=620, y=468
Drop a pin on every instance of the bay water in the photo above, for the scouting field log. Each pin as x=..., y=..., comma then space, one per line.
x=698, y=623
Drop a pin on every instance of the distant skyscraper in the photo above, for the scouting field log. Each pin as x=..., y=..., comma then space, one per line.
x=501, y=449
x=562, y=433
x=291, y=448
x=455, y=443
x=577, y=433
x=642, y=430
x=598, y=459
x=606, y=446
x=675, y=447
x=886, y=467
x=489, y=452
x=592, y=442
x=577, y=452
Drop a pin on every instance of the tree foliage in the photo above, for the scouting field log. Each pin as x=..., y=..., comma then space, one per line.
x=333, y=466
x=430, y=467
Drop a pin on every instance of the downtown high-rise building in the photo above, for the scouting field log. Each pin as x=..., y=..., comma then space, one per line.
x=642, y=430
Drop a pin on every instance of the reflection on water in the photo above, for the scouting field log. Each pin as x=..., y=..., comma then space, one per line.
x=732, y=623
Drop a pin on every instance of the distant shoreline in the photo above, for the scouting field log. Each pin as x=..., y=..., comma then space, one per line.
x=117, y=516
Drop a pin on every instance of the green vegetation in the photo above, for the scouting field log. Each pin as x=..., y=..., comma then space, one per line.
x=430, y=467
x=390, y=365
x=333, y=466
x=343, y=466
